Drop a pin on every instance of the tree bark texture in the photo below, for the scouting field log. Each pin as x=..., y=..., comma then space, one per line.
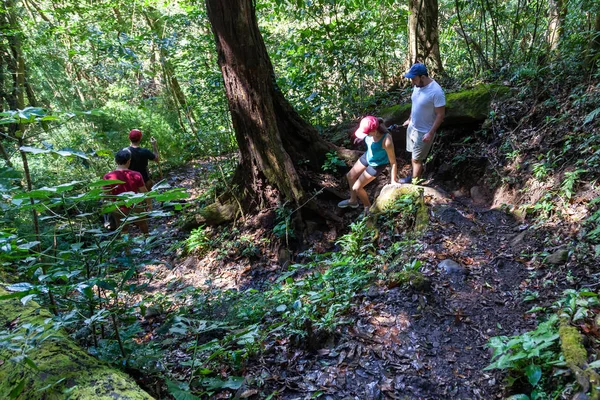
x=271, y=135
x=60, y=363
x=423, y=36
x=557, y=12
x=592, y=56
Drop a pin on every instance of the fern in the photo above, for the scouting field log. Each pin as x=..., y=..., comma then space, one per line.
x=590, y=117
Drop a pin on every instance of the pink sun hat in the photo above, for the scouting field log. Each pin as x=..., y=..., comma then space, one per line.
x=367, y=124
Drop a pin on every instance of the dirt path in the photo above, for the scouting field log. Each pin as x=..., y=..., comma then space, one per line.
x=405, y=344
x=413, y=345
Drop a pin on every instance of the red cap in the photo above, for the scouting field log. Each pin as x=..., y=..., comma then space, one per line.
x=135, y=135
x=367, y=124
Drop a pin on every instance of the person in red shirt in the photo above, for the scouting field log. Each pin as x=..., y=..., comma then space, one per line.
x=132, y=182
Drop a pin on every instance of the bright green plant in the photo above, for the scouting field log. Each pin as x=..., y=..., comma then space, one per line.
x=568, y=185
x=530, y=356
x=199, y=240
x=577, y=304
x=359, y=240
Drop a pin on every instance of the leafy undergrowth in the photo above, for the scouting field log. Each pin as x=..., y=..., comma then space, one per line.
x=222, y=332
x=223, y=311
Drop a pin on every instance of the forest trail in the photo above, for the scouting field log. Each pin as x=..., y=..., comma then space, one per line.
x=405, y=343
x=413, y=345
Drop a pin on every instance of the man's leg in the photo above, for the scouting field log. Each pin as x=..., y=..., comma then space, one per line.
x=417, y=167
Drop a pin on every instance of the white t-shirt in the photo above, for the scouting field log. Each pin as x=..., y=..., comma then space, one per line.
x=424, y=102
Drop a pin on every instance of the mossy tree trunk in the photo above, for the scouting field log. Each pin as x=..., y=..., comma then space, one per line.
x=54, y=365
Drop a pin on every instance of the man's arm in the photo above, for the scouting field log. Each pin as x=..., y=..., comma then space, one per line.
x=440, y=113
x=155, y=150
x=407, y=122
x=388, y=145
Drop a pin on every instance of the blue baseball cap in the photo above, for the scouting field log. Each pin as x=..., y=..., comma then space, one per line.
x=416, y=70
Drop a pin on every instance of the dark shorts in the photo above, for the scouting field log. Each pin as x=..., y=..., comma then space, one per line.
x=371, y=169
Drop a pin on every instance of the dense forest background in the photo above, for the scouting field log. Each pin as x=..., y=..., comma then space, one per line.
x=76, y=76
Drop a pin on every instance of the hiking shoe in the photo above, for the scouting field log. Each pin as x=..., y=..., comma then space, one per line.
x=408, y=179
x=346, y=203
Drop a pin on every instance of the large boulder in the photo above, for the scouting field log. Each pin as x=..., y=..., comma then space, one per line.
x=468, y=107
x=389, y=193
x=55, y=367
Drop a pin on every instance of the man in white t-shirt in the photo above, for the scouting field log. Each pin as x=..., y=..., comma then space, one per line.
x=427, y=113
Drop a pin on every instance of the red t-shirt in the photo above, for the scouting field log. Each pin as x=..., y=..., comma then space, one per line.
x=133, y=181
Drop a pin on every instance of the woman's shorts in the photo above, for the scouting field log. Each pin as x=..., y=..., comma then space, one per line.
x=372, y=170
x=416, y=145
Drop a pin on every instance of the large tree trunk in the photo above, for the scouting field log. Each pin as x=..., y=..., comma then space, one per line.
x=271, y=135
x=423, y=37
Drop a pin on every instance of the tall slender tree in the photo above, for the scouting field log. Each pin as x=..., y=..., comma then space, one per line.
x=423, y=36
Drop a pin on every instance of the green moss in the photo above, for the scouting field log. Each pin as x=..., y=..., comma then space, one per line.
x=57, y=357
x=413, y=279
x=474, y=103
x=399, y=112
x=571, y=343
x=470, y=104
x=390, y=193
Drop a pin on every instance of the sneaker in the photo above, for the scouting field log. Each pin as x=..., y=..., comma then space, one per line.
x=408, y=179
x=346, y=203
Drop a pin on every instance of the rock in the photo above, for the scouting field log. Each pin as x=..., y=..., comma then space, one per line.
x=468, y=107
x=559, y=257
x=449, y=215
x=480, y=195
x=390, y=192
x=580, y=396
x=283, y=257
x=58, y=359
x=451, y=267
x=518, y=239
x=152, y=311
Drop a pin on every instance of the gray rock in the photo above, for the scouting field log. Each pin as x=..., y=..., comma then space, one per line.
x=452, y=267
x=449, y=215
x=559, y=257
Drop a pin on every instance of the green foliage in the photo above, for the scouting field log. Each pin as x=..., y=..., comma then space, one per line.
x=568, y=185
x=283, y=223
x=576, y=304
x=359, y=240
x=199, y=241
x=332, y=162
x=531, y=355
x=593, y=222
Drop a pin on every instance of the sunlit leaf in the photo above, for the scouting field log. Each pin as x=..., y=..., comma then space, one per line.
x=20, y=287
x=33, y=150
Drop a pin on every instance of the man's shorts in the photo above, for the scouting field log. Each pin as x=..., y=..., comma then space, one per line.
x=416, y=145
x=372, y=170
